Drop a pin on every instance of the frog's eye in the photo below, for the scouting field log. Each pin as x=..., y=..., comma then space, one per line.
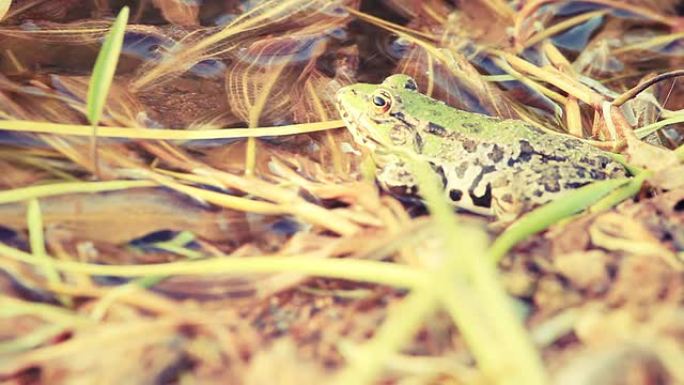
x=382, y=101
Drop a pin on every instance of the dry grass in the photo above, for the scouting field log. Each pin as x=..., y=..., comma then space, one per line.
x=189, y=255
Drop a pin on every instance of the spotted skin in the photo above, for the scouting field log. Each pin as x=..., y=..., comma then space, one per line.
x=487, y=165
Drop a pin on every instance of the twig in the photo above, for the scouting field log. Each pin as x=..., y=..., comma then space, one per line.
x=629, y=94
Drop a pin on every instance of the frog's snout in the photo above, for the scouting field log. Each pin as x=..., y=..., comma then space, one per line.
x=344, y=93
x=342, y=97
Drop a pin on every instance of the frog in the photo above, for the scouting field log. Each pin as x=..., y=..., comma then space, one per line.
x=495, y=167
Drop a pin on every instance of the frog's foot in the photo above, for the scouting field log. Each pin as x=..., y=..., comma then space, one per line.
x=396, y=178
x=506, y=208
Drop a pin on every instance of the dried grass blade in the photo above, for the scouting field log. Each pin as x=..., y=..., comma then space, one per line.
x=257, y=16
x=384, y=273
x=167, y=133
x=4, y=8
x=321, y=112
x=24, y=193
x=562, y=26
x=35, y=338
x=255, y=113
x=34, y=220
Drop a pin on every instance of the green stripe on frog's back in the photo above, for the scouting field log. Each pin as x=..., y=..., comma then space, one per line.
x=468, y=124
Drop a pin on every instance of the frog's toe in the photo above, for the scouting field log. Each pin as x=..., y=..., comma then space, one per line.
x=507, y=208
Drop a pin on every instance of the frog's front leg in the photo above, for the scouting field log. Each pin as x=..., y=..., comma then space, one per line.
x=394, y=175
x=507, y=206
x=509, y=201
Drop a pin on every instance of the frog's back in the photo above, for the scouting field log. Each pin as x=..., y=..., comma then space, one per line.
x=492, y=163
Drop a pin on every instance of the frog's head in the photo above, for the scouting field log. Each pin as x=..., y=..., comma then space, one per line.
x=374, y=113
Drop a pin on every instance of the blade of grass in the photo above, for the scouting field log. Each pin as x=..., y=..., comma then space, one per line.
x=621, y=193
x=384, y=273
x=367, y=361
x=562, y=26
x=24, y=193
x=255, y=112
x=12, y=307
x=35, y=338
x=468, y=288
x=541, y=218
x=653, y=127
x=34, y=221
x=466, y=284
x=103, y=75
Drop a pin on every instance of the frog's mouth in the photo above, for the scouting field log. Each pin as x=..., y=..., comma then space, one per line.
x=356, y=127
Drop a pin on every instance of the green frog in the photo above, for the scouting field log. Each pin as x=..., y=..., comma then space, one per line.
x=490, y=166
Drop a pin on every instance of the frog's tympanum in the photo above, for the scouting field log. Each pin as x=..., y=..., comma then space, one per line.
x=487, y=165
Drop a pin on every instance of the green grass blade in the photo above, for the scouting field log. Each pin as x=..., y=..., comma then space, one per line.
x=34, y=220
x=105, y=66
x=653, y=127
x=621, y=193
x=541, y=218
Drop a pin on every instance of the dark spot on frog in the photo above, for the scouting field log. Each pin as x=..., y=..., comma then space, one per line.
x=488, y=169
x=496, y=154
x=482, y=201
x=549, y=179
x=597, y=174
x=398, y=134
x=403, y=191
x=474, y=127
x=402, y=118
x=571, y=144
x=411, y=85
x=419, y=143
x=436, y=129
x=588, y=161
x=455, y=195
x=469, y=145
x=679, y=206
x=574, y=185
x=398, y=115
x=461, y=169
x=552, y=185
x=581, y=173
x=486, y=199
x=526, y=151
x=508, y=198
x=603, y=161
x=538, y=193
x=439, y=170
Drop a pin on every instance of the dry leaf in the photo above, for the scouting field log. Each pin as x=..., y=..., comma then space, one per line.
x=181, y=12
